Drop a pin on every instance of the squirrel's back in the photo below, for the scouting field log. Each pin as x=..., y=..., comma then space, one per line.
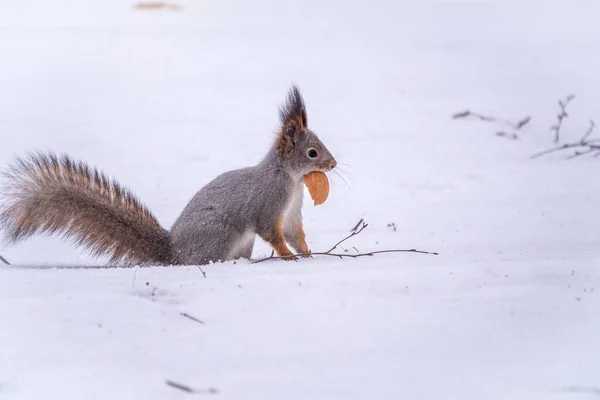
x=51, y=194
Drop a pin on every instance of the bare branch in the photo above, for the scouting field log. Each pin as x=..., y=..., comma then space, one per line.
x=188, y=389
x=562, y=114
x=579, y=153
x=554, y=149
x=356, y=232
x=516, y=126
x=468, y=113
x=520, y=124
x=357, y=225
x=582, y=147
x=523, y=122
x=589, y=131
x=342, y=255
x=183, y=314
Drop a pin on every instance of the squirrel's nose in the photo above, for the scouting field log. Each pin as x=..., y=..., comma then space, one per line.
x=333, y=164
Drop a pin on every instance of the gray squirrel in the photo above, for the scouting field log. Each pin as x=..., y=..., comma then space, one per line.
x=46, y=193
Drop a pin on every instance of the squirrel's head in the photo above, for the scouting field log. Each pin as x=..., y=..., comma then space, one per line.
x=298, y=146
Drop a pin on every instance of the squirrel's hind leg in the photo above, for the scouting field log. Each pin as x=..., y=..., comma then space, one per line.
x=199, y=244
x=243, y=247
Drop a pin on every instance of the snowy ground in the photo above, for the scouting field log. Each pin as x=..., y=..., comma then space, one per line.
x=166, y=100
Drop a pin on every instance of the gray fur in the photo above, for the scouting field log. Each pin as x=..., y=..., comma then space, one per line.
x=218, y=224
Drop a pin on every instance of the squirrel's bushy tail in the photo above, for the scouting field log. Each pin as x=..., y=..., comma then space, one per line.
x=50, y=194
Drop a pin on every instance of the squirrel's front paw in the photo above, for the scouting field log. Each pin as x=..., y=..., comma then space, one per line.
x=289, y=257
x=306, y=254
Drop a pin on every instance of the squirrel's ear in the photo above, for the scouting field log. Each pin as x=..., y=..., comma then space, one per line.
x=288, y=136
x=293, y=110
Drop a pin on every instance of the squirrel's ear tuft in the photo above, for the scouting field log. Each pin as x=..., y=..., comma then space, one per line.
x=293, y=110
x=293, y=121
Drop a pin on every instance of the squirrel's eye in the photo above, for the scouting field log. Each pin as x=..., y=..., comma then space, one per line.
x=312, y=153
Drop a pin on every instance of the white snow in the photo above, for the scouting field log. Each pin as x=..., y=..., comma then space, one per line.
x=166, y=100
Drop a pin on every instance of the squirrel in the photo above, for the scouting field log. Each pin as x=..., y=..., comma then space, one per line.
x=52, y=194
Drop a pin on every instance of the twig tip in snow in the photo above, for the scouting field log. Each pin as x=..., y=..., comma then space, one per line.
x=188, y=316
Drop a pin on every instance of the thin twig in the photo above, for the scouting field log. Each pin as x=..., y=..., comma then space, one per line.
x=356, y=232
x=183, y=314
x=520, y=124
x=357, y=225
x=188, y=389
x=4, y=260
x=562, y=114
x=523, y=122
x=554, y=149
x=592, y=149
x=589, y=131
x=583, y=146
x=201, y=270
x=578, y=153
x=342, y=255
x=467, y=113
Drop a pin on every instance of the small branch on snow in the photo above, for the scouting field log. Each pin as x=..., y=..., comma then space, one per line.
x=583, y=146
x=188, y=389
x=523, y=122
x=357, y=225
x=342, y=255
x=4, y=260
x=562, y=114
x=467, y=113
x=589, y=131
x=183, y=314
x=329, y=252
x=516, y=126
